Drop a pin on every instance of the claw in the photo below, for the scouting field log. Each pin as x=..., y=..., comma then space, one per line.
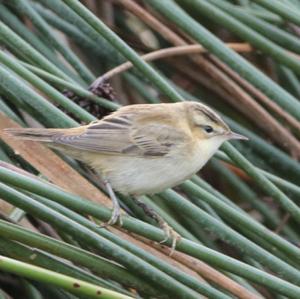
x=167, y=231
x=170, y=233
x=114, y=219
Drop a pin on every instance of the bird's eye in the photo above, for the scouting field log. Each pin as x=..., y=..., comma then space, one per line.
x=208, y=129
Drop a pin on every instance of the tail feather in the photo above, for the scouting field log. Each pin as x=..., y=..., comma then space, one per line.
x=36, y=134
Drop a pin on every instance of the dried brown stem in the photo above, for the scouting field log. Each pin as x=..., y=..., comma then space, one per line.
x=5, y=207
x=295, y=28
x=258, y=94
x=24, y=221
x=282, y=223
x=152, y=21
x=107, y=12
x=50, y=165
x=148, y=246
x=168, y=52
x=206, y=271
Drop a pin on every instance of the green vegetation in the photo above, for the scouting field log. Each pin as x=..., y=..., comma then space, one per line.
x=238, y=218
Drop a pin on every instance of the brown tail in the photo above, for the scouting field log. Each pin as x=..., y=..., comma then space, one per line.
x=43, y=135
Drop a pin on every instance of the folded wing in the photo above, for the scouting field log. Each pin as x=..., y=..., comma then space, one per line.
x=123, y=136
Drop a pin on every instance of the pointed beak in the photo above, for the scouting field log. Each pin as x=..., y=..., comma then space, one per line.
x=233, y=135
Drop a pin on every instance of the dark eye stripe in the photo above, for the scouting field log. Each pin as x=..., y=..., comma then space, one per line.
x=210, y=115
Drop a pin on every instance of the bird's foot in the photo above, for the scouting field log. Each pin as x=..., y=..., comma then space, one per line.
x=170, y=234
x=116, y=218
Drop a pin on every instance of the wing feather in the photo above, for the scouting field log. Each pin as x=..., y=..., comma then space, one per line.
x=125, y=135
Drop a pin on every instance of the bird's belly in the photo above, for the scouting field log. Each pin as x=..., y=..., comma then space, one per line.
x=137, y=176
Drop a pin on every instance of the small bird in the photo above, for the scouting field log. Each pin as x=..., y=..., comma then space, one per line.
x=142, y=149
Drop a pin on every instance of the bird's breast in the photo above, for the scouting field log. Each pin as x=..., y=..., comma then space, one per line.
x=137, y=176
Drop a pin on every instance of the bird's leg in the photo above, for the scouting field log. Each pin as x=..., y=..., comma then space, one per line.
x=168, y=231
x=116, y=213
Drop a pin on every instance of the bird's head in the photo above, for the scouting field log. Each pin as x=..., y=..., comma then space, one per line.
x=208, y=126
